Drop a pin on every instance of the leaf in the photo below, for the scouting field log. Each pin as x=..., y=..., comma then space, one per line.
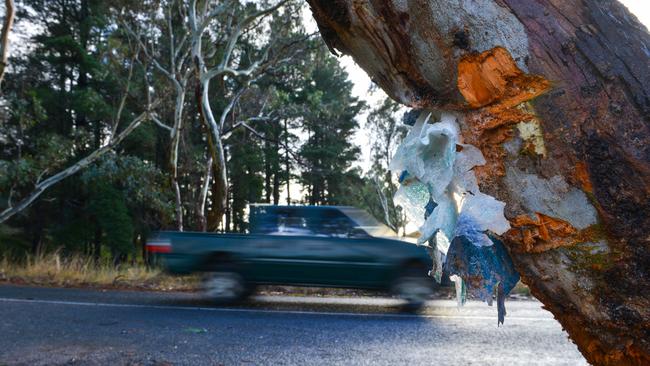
x=195, y=330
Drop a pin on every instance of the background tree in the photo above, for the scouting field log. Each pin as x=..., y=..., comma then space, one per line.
x=386, y=132
x=106, y=138
x=67, y=101
x=329, y=121
x=10, y=13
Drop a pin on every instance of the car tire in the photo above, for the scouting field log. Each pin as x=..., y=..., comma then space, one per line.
x=225, y=286
x=413, y=287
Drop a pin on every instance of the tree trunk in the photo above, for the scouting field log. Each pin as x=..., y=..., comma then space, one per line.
x=205, y=186
x=10, y=13
x=37, y=238
x=276, y=184
x=173, y=153
x=217, y=152
x=287, y=162
x=268, y=173
x=97, y=244
x=81, y=119
x=556, y=94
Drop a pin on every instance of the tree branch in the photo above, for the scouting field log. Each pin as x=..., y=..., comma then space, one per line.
x=234, y=37
x=81, y=164
x=226, y=110
x=120, y=109
x=157, y=121
x=171, y=75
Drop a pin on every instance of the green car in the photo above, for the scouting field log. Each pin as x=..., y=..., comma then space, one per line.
x=323, y=246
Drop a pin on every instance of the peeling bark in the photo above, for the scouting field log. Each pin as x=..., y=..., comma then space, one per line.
x=556, y=94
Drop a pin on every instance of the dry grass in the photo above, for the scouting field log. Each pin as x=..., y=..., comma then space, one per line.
x=78, y=271
x=521, y=290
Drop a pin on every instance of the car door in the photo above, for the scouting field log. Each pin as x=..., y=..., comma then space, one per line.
x=371, y=262
x=274, y=256
x=334, y=257
x=267, y=258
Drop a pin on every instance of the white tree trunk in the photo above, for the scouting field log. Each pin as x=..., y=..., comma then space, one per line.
x=10, y=12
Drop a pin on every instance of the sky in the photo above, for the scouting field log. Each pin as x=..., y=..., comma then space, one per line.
x=362, y=83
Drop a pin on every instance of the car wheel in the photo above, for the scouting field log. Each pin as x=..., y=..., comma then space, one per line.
x=414, y=288
x=224, y=286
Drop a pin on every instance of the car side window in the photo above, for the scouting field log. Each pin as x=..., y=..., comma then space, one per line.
x=292, y=225
x=338, y=227
x=309, y=222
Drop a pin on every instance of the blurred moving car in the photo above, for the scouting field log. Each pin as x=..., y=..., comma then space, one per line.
x=323, y=246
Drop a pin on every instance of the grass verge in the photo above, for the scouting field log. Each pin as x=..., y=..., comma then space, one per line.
x=78, y=271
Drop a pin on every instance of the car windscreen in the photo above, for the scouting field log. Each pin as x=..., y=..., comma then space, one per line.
x=368, y=223
x=332, y=221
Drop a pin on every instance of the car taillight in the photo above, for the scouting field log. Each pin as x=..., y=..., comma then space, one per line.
x=159, y=246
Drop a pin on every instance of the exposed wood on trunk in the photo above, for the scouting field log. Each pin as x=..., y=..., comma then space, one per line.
x=556, y=94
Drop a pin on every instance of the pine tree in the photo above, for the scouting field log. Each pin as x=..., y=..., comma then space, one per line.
x=329, y=122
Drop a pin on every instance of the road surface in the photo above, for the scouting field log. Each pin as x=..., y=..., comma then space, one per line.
x=40, y=326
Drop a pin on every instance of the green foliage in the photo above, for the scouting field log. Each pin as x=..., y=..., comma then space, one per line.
x=329, y=119
x=64, y=94
x=12, y=242
x=108, y=206
x=379, y=185
x=247, y=183
x=140, y=181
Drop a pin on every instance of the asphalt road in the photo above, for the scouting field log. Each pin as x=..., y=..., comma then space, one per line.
x=41, y=326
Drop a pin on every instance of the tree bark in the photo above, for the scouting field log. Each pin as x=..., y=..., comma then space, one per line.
x=556, y=94
x=10, y=13
x=216, y=148
x=173, y=151
x=287, y=162
x=205, y=186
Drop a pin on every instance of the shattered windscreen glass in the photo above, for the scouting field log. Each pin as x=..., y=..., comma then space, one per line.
x=367, y=223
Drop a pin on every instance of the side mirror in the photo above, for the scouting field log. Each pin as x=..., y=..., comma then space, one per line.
x=356, y=232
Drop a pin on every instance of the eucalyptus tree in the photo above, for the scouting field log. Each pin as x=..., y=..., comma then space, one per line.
x=233, y=41
x=556, y=95
x=7, y=24
x=223, y=24
x=159, y=30
x=386, y=131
